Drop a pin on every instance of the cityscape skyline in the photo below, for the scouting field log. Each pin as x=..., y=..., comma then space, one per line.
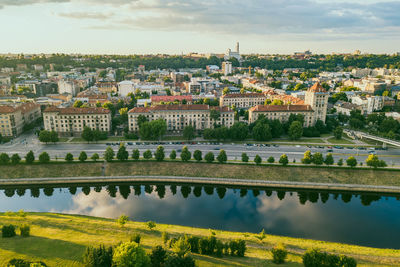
x=176, y=27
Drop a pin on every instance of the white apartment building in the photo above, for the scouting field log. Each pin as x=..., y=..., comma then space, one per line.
x=13, y=117
x=71, y=121
x=67, y=87
x=126, y=87
x=242, y=100
x=317, y=98
x=227, y=67
x=178, y=117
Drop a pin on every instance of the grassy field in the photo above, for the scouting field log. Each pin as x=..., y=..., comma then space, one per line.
x=364, y=176
x=333, y=140
x=302, y=140
x=60, y=240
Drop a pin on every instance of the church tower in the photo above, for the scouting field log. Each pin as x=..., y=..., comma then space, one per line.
x=317, y=98
x=237, y=47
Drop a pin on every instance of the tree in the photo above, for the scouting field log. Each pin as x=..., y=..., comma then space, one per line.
x=338, y=132
x=225, y=91
x=188, y=132
x=109, y=154
x=159, y=154
x=340, y=162
x=147, y=154
x=95, y=157
x=271, y=159
x=185, y=154
x=279, y=254
x=82, y=156
x=172, y=155
x=87, y=134
x=122, y=153
x=373, y=161
x=197, y=155
x=96, y=257
x=54, y=136
x=239, y=131
x=222, y=158
x=283, y=160
x=30, y=157
x=15, y=159
x=158, y=256
x=135, y=154
x=130, y=254
x=209, y=157
x=351, y=161
x=4, y=158
x=245, y=158
x=69, y=157
x=295, y=130
x=329, y=159
x=44, y=136
x=307, y=158
x=214, y=115
x=44, y=157
x=257, y=159
x=318, y=159
x=181, y=247
x=262, y=132
x=151, y=225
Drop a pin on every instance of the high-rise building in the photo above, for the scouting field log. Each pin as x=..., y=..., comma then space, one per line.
x=317, y=98
x=227, y=67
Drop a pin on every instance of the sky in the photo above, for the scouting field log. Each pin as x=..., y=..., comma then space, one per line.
x=203, y=26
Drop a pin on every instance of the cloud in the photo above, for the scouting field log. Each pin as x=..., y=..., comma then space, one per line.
x=86, y=15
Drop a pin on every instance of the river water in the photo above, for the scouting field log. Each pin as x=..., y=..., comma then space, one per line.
x=354, y=218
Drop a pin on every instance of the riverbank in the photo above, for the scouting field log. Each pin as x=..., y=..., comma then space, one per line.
x=275, y=173
x=60, y=240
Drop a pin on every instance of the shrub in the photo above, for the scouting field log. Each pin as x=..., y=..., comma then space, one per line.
x=25, y=263
x=135, y=154
x=147, y=154
x=245, y=158
x=308, y=158
x=194, y=244
x=95, y=157
x=271, y=159
x=4, y=158
x=284, y=160
x=222, y=157
x=257, y=159
x=314, y=257
x=98, y=257
x=219, y=248
x=176, y=261
x=318, y=159
x=185, y=154
x=351, y=161
x=241, y=248
x=209, y=157
x=151, y=225
x=122, y=220
x=25, y=230
x=159, y=154
x=165, y=237
x=197, y=155
x=44, y=157
x=69, y=157
x=172, y=155
x=8, y=231
x=130, y=254
x=329, y=159
x=109, y=154
x=30, y=157
x=83, y=156
x=15, y=159
x=136, y=238
x=279, y=254
x=340, y=162
x=158, y=256
x=181, y=247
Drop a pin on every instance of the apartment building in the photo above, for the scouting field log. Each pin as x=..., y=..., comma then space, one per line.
x=178, y=117
x=317, y=98
x=107, y=87
x=71, y=121
x=164, y=99
x=13, y=117
x=242, y=100
x=282, y=113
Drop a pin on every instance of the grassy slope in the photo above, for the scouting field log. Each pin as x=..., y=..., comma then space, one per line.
x=60, y=240
x=178, y=168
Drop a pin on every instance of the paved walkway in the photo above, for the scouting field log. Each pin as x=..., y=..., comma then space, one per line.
x=203, y=180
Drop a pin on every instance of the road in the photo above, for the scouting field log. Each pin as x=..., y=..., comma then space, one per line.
x=24, y=143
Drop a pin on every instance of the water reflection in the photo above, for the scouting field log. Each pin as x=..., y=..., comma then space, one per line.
x=358, y=218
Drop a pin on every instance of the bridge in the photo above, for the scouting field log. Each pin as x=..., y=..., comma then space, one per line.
x=360, y=135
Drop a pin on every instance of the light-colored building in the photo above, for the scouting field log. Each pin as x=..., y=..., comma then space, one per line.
x=346, y=108
x=67, y=87
x=235, y=54
x=164, y=99
x=71, y=121
x=126, y=87
x=282, y=113
x=227, y=67
x=178, y=117
x=242, y=100
x=13, y=117
x=106, y=87
x=317, y=98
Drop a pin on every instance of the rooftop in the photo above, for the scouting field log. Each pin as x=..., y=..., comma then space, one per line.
x=317, y=88
x=72, y=110
x=281, y=108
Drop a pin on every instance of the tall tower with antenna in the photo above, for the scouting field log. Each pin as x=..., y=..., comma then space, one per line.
x=237, y=47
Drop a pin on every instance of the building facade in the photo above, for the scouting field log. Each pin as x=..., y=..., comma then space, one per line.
x=71, y=121
x=227, y=67
x=178, y=117
x=282, y=113
x=13, y=117
x=242, y=100
x=317, y=98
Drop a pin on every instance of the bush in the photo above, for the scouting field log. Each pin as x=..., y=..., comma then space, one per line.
x=209, y=157
x=109, y=154
x=241, y=248
x=197, y=155
x=25, y=263
x=136, y=238
x=44, y=157
x=15, y=159
x=257, y=159
x=284, y=160
x=122, y=220
x=95, y=157
x=8, y=231
x=245, y=158
x=165, y=237
x=279, y=254
x=130, y=254
x=159, y=154
x=147, y=154
x=351, y=161
x=4, y=158
x=271, y=159
x=98, y=257
x=340, y=162
x=83, y=156
x=318, y=159
x=176, y=261
x=25, y=230
x=222, y=157
x=151, y=225
x=172, y=155
x=194, y=244
x=185, y=154
x=30, y=157
x=181, y=247
x=314, y=258
x=69, y=157
x=135, y=154
x=158, y=256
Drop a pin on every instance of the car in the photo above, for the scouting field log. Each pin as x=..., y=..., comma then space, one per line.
x=108, y=144
x=179, y=150
x=371, y=152
x=298, y=146
x=309, y=146
x=329, y=150
x=321, y=147
x=349, y=147
x=276, y=145
x=129, y=144
x=217, y=148
x=362, y=148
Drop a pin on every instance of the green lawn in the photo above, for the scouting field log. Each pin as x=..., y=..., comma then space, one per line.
x=301, y=140
x=333, y=140
x=60, y=240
